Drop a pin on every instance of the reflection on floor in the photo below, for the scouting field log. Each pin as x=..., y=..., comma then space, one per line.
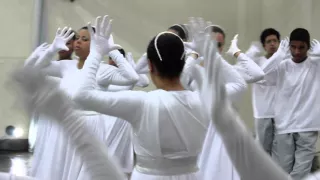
x=17, y=163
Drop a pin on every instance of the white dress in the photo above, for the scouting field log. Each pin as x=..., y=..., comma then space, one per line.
x=119, y=138
x=168, y=126
x=44, y=127
x=214, y=162
x=58, y=159
x=41, y=94
x=119, y=132
x=7, y=176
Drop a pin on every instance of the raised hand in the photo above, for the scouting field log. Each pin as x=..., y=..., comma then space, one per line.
x=233, y=49
x=315, y=48
x=39, y=51
x=61, y=39
x=131, y=60
x=197, y=31
x=100, y=40
x=254, y=50
x=212, y=73
x=284, y=45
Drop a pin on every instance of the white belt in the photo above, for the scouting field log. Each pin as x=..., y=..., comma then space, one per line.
x=87, y=113
x=166, y=167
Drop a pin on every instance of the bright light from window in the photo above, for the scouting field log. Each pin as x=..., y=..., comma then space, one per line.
x=18, y=132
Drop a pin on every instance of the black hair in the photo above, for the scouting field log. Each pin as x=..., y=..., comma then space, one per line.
x=268, y=32
x=171, y=50
x=300, y=34
x=217, y=29
x=86, y=28
x=74, y=37
x=182, y=31
x=122, y=52
x=94, y=30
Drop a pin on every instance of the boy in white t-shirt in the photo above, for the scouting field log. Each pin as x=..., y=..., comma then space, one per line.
x=263, y=96
x=297, y=81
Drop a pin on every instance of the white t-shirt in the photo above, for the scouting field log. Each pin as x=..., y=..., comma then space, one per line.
x=297, y=95
x=263, y=97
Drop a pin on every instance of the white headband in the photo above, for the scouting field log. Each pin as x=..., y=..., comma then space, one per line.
x=183, y=29
x=156, y=46
x=214, y=25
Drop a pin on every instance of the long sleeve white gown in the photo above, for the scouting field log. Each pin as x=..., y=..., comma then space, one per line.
x=119, y=133
x=168, y=126
x=214, y=162
x=38, y=92
x=57, y=159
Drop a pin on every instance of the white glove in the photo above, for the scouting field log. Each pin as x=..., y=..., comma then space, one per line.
x=233, y=49
x=39, y=51
x=58, y=44
x=284, y=46
x=315, y=48
x=187, y=27
x=198, y=34
x=111, y=41
x=255, y=50
x=142, y=65
x=131, y=60
x=213, y=76
x=189, y=52
x=101, y=42
x=61, y=39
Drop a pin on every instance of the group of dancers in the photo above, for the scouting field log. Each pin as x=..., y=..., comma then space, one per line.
x=93, y=125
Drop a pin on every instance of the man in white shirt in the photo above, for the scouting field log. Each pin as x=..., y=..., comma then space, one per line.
x=297, y=82
x=263, y=96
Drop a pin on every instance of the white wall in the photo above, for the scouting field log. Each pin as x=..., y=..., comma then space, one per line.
x=15, y=45
x=137, y=21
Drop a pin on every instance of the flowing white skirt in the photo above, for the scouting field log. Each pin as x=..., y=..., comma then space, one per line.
x=33, y=131
x=7, y=176
x=119, y=143
x=55, y=156
x=214, y=161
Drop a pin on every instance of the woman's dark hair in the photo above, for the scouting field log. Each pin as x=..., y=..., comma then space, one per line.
x=94, y=30
x=216, y=29
x=300, y=34
x=166, y=54
x=182, y=31
x=74, y=36
x=86, y=28
x=268, y=32
x=122, y=52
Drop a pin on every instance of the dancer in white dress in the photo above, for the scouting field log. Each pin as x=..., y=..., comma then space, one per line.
x=164, y=121
x=119, y=134
x=33, y=128
x=250, y=159
x=214, y=161
x=40, y=93
x=70, y=163
x=38, y=120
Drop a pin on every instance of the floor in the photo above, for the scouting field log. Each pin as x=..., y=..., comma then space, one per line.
x=17, y=163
